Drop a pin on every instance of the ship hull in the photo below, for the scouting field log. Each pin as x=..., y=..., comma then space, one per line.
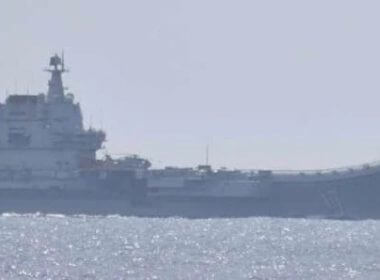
x=354, y=203
x=352, y=198
x=193, y=209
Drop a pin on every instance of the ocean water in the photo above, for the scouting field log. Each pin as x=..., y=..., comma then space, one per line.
x=113, y=247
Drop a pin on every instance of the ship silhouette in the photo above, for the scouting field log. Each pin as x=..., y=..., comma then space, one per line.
x=48, y=164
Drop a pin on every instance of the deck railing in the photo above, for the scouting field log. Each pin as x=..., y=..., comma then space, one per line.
x=328, y=171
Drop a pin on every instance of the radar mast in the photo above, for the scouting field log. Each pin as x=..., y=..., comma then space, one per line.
x=55, y=86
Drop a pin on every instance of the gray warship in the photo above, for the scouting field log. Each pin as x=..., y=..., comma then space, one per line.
x=47, y=156
x=48, y=164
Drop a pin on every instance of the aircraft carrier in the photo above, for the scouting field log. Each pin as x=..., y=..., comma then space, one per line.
x=48, y=164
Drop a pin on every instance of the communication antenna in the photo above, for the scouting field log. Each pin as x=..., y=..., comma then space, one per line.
x=101, y=119
x=63, y=61
x=15, y=87
x=207, y=154
x=90, y=121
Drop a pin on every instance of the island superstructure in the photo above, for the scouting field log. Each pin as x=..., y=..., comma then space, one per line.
x=45, y=147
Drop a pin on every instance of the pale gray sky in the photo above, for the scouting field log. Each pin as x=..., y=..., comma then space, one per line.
x=268, y=84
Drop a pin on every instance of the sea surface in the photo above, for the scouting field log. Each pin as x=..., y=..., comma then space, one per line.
x=114, y=247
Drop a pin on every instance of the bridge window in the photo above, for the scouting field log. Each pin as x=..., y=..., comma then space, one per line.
x=19, y=140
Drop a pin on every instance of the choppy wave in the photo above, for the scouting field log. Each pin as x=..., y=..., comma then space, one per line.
x=38, y=246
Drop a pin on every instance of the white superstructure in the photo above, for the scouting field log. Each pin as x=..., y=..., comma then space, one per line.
x=42, y=136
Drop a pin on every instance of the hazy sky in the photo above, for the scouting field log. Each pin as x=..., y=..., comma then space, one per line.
x=267, y=84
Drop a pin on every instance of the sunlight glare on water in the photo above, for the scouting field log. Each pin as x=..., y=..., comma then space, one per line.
x=114, y=247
